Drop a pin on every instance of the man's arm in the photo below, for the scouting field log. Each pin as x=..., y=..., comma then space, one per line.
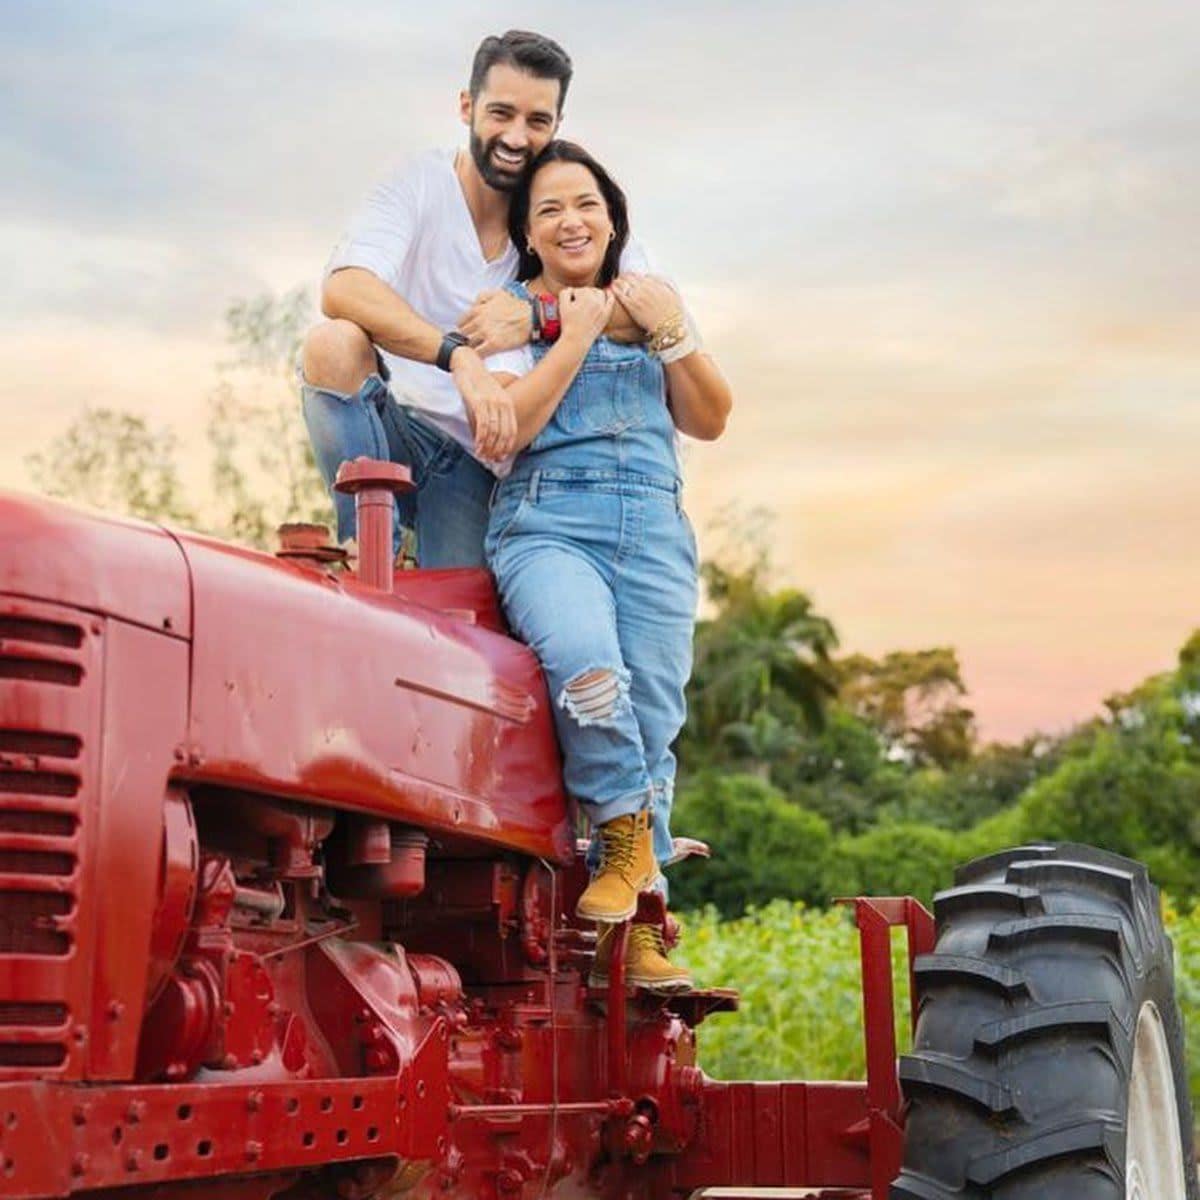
x=499, y=321
x=537, y=394
x=358, y=295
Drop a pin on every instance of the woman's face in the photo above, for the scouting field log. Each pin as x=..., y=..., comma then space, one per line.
x=569, y=225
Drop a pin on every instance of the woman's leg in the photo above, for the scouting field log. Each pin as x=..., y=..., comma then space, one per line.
x=562, y=607
x=656, y=593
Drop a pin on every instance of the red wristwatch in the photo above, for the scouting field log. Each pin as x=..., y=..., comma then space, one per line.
x=551, y=325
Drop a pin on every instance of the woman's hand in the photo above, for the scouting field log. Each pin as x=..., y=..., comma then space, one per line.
x=648, y=300
x=584, y=312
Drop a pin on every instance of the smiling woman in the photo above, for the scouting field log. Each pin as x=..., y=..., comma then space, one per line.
x=593, y=555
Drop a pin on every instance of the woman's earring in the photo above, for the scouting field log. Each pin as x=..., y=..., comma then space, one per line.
x=528, y=247
x=612, y=235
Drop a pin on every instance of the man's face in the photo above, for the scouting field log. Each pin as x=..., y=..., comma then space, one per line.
x=512, y=118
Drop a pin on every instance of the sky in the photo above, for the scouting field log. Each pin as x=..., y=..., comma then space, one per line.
x=947, y=253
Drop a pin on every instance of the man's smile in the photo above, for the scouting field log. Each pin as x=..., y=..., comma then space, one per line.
x=510, y=158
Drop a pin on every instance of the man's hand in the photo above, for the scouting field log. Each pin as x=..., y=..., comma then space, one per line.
x=497, y=321
x=649, y=301
x=489, y=408
x=584, y=312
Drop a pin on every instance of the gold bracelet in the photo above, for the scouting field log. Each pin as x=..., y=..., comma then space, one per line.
x=667, y=333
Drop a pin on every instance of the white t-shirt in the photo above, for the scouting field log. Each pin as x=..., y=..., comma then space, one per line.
x=415, y=232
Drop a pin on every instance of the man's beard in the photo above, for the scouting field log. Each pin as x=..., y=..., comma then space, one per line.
x=493, y=176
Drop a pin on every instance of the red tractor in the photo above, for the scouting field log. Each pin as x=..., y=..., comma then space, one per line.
x=287, y=883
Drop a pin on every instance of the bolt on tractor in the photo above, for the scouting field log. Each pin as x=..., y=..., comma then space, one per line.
x=287, y=895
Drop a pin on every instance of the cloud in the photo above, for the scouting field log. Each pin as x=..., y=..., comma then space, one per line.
x=941, y=250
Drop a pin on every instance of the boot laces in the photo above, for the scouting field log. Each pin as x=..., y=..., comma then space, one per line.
x=647, y=937
x=619, y=848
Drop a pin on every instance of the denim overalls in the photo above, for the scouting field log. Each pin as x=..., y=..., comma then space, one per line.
x=596, y=565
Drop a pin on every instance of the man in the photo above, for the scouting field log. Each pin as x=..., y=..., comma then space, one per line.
x=414, y=296
x=426, y=256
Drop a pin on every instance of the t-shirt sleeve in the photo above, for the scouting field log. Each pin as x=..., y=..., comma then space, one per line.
x=517, y=362
x=382, y=232
x=636, y=258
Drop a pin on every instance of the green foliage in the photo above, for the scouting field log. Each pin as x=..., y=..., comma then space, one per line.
x=798, y=973
x=842, y=773
x=114, y=461
x=262, y=466
x=893, y=860
x=1184, y=928
x=1137, y=799
x=263, y=470
x=913, y=699
x=762, y=673
x=762, y=845
x=960, y=797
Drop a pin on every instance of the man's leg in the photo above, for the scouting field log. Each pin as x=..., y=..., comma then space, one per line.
x=343, y=398
x=453, y=490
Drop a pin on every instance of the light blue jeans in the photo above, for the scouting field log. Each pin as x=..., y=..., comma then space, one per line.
x=597, y=571
x=449, y=509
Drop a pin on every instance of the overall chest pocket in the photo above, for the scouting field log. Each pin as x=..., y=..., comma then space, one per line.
x=610, y=396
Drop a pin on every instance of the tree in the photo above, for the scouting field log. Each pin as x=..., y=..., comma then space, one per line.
x=261, y=465
x=263, y=471
x=117, y=462
x=762, y=667
x=762, y=846
x=913, y=699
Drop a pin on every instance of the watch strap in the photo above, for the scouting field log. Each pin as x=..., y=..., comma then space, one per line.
x=450, y=342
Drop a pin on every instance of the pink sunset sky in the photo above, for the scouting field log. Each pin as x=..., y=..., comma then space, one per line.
x=947, y=253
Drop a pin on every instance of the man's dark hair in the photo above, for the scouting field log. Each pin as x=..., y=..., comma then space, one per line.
x=618, y=210
x=531, y=52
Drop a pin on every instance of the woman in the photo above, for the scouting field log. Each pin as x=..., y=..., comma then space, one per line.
x=593, y=555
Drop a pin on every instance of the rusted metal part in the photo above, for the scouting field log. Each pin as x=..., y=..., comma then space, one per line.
x=309, y=544
x=466, y=1112
x=373, y=485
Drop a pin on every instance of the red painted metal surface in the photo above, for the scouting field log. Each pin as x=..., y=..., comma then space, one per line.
x=325, y=690
x=372, y=485
x=286, y=897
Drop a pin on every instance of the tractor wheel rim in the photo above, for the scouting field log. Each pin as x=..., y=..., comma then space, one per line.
x=1153, y=1151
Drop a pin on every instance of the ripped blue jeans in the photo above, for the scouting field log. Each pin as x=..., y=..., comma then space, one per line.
x=597, y=571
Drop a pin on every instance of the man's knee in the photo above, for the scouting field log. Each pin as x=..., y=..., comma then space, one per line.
x=337, y=356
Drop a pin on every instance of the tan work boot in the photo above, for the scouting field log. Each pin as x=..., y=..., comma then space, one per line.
x=627, y=867
x=646, y=962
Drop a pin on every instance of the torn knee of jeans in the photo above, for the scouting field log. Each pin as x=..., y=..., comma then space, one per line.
x=595, y=697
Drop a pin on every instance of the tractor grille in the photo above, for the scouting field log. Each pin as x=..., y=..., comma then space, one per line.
x=46, y=715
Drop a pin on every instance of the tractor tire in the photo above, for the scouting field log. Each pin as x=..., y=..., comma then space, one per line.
x=1047, y=1059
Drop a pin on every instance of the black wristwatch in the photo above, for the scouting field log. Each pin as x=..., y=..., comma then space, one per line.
x=450, y=342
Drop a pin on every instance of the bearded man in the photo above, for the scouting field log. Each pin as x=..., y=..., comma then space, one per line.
x=414, y=297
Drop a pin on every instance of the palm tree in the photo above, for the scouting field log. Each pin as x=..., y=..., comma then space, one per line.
x=764, y=651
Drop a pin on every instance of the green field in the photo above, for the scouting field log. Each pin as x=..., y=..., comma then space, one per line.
x=797, y=970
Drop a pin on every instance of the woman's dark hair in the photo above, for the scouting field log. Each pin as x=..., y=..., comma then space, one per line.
x=532, y=52
x=614, y=198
